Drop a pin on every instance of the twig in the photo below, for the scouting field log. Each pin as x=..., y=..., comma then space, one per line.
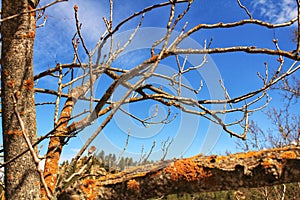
x=140, y=69
x=110, y=27
x=59, y=90
x=30, y=147
x=244, y=7
x=78, y=26
x=120, y=50
x=79, y=172
x=124, y=149
x=298, y=32
x=146, y=121
x=33, y=10
x=229, y=25
x=246, y=49
x=44, y=22
x=165, y=145
x=44, y=103
x=55, y=69
x=144, y=157
x=225, y=93
x=104, y=37
x=75, y=43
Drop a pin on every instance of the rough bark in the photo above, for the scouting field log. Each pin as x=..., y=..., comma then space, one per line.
x=56, y=142
x=195, y=174
x=55, y=147
x=21, y=178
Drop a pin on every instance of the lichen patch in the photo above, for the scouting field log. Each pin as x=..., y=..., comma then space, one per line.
x=188, y=170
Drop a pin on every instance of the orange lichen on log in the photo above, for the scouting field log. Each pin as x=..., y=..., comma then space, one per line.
x=288, y=155
x=187, y=169
x=133, y=185
x=272, y=166
x=88, y=187
x=199, y=173
x=215, y=160
x=267, y=163
x=248, y=154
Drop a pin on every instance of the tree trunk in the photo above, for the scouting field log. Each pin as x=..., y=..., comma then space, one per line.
x=21, y=177
x=195, y=174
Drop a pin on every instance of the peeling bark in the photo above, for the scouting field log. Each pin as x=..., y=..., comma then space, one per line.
x=196, y=174
x=21, y=178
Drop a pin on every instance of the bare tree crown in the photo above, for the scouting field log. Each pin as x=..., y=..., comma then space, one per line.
x=78, y=81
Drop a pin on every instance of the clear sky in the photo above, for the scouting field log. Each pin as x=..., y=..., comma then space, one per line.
x=192, y=135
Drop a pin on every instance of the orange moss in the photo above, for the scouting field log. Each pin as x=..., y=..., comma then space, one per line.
x=88, y=187
x=104, y=111
x=214, y=158
x=272, y=156
x=153, y=58
x=31, y=34
x=133, y=185
x=51, y=166
x=279, y=165
x=288, y=155
x=11, y=83
x=6, y=72
x=9, y=177
x=267, y=163
x=14, y=132
x=56, y=144
x=187, y=169
x=88, y=182
x=247, y=154
x=156, y=174
x=28, y=84
x=32, y=13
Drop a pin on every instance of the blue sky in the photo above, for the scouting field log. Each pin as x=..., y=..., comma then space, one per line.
x=191, y=134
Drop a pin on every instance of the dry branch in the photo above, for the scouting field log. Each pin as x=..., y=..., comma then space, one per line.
x=57, y=141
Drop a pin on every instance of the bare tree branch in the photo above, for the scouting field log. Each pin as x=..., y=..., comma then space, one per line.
x=32, y=10
x=244, y=8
